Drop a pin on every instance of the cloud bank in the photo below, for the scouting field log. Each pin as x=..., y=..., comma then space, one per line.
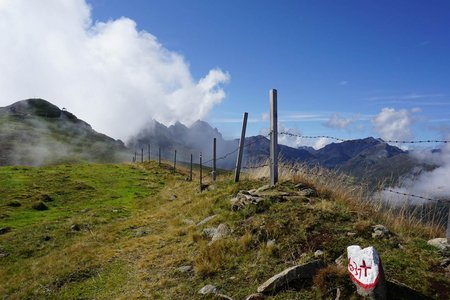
x=109, y=74
x=393, y=124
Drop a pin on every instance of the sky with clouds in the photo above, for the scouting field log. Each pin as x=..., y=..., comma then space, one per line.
x=349, y=69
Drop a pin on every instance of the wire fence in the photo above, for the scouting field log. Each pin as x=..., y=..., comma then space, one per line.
x=258, y=164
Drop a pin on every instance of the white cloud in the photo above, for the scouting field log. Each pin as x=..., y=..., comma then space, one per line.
x=108, y=73
x=393, y=124
x=432, y=184
x=336, y=121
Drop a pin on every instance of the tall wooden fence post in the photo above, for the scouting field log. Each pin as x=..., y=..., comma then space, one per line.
x=201, y=173
x=175, y=161
x=159, y=156
x=148, y=152
x=213, y=173
x=448, y=223
x=142, y=155
x=241, y=149
x=273, y=137
x=190, y=170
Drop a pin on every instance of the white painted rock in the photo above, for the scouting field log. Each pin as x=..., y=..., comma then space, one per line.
x=364, y=266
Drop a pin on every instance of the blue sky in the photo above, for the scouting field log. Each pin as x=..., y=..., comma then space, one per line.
x=351, y=58
x=350, y=69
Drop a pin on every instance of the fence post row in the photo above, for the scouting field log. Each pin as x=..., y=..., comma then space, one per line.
x=213, y=173
x=241, y=149
x=273, y=137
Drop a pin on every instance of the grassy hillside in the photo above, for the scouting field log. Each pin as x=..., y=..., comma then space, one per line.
x=123, y=231
x=35, y=132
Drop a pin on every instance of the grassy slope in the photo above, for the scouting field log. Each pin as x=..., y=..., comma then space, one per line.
x=133, y=237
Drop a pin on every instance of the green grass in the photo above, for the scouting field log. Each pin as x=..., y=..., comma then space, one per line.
x=134, y=235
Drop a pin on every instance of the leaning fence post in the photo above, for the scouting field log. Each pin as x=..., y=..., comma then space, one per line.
x=213, y=173
x=175, y=161
x=241, y=149
x=273, y=137
x=142, y=155
x=190, y=170
x=201, y=172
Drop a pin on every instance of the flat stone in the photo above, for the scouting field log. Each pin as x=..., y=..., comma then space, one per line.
x=244, y=199
x=185, y=269
x=290, y=275
x=206, y=220
x=208, y=289
x=4, y=254
x=257, y=296
x=173, y=197
x=440, y=243
x=308, y=192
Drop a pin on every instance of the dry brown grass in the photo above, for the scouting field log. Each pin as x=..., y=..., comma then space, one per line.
x=340, y=187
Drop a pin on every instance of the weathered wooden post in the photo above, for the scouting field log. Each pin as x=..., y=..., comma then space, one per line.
x=148, y=152
x=142, y=155
x=159, y=156
x=135, y=155
x=448, y=223
x=241, y=149
x=190, y=170
x=213, y=173
x=366, y=272
x=201, y=173
x=273, y=137
x=175, y=161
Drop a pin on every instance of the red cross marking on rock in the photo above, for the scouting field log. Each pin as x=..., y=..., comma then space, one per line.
x=365, y=267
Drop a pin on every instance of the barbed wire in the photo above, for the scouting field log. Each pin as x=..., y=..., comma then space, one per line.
x=412, y=195
x=346, y=140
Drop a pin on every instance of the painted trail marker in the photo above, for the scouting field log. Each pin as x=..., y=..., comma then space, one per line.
x=366, y=271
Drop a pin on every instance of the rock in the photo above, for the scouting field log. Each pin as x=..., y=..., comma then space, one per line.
x=308, y=192
x=366, y=272
x=173, y=197
x=188, y=222
x=184, y=269
x=3, y=254
x=339, y=261
x=289, y=276
x=439, y=243
x=209, y=232
x=140, y=233
x=46, y=198
x=318, y=254
x=270, y=243
x=257, y=296
x=39, y=206
x=4, y=230
x=351, y=233
x=46, y=238
x=206, y=220
x=243, y=199
x=222, y=296
x=84, y=210
x=301, y=186
x=380, y=231
x=208, y=289
x=221, y=232
x=397, y=290
x=14, y=204
x=75, y=227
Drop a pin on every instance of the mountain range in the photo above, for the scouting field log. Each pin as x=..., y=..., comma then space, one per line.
x=34, y=132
